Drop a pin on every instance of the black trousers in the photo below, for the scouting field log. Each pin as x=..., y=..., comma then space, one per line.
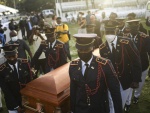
x=40, y=66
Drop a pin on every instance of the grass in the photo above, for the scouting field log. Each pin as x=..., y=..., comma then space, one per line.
x=144, y=102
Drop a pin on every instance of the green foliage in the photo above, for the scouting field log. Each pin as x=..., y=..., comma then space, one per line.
x=38, y=5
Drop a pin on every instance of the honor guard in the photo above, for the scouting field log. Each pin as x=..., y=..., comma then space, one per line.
x=90, y=78
x=125, y=59
x=54, y=51
x=142, y=42
x=14, y=75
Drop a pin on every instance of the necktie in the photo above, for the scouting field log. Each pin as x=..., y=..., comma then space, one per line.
x=86, y=70
x=50, y=46
x=15, y=72
x=113, y=49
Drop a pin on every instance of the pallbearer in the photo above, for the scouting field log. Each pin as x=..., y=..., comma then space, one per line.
x=14, y=74
x=91, y=77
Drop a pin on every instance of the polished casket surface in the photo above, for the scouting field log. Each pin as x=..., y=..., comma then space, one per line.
x=50, y=92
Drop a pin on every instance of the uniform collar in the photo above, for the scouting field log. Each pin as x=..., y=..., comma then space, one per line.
x=89, y=62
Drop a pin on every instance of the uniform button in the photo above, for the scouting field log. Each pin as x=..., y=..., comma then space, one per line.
x=128, y=64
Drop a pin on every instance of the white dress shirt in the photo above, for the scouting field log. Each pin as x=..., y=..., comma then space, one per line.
x=52, y=44
x=84, y=66
x=114, y=42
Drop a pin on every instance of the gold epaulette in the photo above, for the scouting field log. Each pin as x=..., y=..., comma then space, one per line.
x=74, y=62
x=24, y=60
x=143, y=35
x=43, y=42
x=101, y=60
x=2, y=67
x=124, y=41
x=60, y=45
x=102, y=46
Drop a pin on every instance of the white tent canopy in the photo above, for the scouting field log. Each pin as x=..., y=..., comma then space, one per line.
x=6, y=8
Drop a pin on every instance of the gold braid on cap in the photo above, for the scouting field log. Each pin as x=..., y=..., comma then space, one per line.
x=86, y=44
x=11, y=51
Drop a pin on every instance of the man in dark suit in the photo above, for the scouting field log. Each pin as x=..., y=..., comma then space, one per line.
x=28, y=27
x=90, y=78
x=125, y=59
x=142, y=42
x=14, y=74
x=54, y=51
x=23, y=47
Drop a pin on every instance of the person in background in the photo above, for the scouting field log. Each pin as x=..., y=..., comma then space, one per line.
x=13, y=25
x=82, y=26
x=23, y=47
x=97, y=26
x=102, y=25
x=22, y=24
x=88, y=17
x=54, y=22
x=14, y=75
x=35, y=41
x=54, y=51
x=2, y=38
x=62, y=35
x=28, y=27
x=90, y=78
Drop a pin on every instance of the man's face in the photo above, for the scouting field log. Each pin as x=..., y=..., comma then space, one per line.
x=12, y=59
x=58, y=21
x=51, y=37
x=133, y=27
x=85, y=54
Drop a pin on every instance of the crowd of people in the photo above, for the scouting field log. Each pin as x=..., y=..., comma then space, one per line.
x=97, y=84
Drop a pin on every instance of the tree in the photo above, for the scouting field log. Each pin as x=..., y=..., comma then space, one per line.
x=38, y=5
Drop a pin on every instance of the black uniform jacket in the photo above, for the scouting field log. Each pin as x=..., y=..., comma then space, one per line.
x=23, y=47
x=126, y=61
x=101, y=76
x=55, y=57
x=142, y=42
x=11, y=85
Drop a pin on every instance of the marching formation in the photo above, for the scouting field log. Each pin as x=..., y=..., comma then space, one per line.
x=98, y=84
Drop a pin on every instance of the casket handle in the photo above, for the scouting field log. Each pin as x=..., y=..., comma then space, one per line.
x=32, y=109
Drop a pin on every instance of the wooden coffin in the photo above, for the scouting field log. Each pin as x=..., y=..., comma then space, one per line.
x=49, y=93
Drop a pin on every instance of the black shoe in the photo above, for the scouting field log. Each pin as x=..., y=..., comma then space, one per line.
x=135, y=100
x=127, y=108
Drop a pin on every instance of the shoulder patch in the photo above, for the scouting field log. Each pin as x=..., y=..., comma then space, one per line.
x=2, y=67
x=124, y=41
x=60, y=41
x=102, y=46
x=143, y=35
x=101, y=60
x=75, y=62
x=60, y=45
x=23, y=60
